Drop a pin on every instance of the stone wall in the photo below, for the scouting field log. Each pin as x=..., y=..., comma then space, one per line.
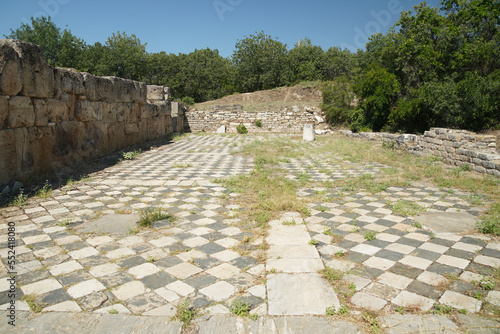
x=456, y=147
x=51, y=117
x=231, y=116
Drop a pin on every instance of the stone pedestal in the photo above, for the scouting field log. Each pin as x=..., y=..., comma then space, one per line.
x=308, y=132
x=222, y=129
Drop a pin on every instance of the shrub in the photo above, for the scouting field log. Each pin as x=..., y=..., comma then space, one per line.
x=188, y=100
x=258, y=123
x=242, y=129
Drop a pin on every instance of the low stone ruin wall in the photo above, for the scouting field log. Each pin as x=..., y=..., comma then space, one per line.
x=271, y=121
x=51, y=117
x=456, y=147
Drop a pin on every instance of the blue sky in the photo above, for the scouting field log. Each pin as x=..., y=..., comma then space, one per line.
x=185, y=25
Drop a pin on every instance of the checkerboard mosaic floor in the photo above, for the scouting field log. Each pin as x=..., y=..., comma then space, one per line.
x=206, y=258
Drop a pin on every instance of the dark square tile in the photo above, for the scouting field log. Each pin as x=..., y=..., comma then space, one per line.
x=74, y=277
x=425, y=254
x=377, y=243
x=473, y=241
x=244, y=262
x=115, y=279
x=409, y=242
x=130, y=262
x=491, y=252
x=406, y=271
x=460, y=254
x=210, y=248
x=442, y=242
x=367, y=272
x=389, y=255
x=443, y=269
x=168, y=262
x=158, y=280
x=200, y=281
x=385, y=222
x=55, y=297
x=206, y=263
x=425, y=290
x=356, y=257
x=396, y=232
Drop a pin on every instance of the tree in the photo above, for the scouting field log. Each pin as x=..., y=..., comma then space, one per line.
x=260, y=63
x=124, y=56
x=306, y=61
x=339, y=63
x=59, y=48
x=379, y=90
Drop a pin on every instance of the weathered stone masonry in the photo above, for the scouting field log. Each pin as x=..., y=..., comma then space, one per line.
x=456, y=147
x=231, y=116
x=51, y=117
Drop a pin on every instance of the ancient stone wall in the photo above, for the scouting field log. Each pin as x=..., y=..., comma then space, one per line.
x=456, y=147
x=51, y=117
x=271, y=121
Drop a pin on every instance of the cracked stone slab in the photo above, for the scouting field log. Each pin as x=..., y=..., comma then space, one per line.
x=114, y=223
x=287, y=296
x=305, y=324
x=411, y=323
x=447, y=222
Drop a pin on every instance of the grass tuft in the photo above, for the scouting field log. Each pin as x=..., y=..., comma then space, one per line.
x=150, y=216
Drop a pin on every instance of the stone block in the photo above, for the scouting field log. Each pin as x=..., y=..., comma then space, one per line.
x=4, y=111
x=479, y=169
x=40, y=106
x=489, y=165
x=168, y=93
x=131, y=129
x=57, y=111
x=124, y=90
x=37, y=75
x=68, y=82
x=308, y=134
x=221, y=129
x=21, y=112
x=175, y=109
x=24, y=158
x=11, y=81
x=86, y=111
x=42, y=143
x=156, y=92
x=8, y=154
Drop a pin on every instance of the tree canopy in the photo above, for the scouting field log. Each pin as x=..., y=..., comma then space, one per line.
x=435, y=67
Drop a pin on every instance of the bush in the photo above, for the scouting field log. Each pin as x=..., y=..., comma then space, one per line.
x=242, y=129
x=188, y=100
x=258, y=123
x=338, y=100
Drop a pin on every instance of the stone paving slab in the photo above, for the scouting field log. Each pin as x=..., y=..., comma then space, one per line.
x=199, y=257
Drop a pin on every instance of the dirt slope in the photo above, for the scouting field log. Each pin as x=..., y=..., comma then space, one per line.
x=272, y=99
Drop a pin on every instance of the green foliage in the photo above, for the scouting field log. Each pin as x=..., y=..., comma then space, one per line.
x=240, y=308
x=331, y=275
x=148, y=217
x=258, y=123
x=370, y=235
x=490, y=223
x=306, y=62
x=60, y=48
x=260, y=63
x=241, y=129
x=131, y=155
x=45, y=191
x=188, y=100
x=442, y=309
x=19, y=200
x=405, y=208
x=185, y=314
x=338, y=101
x=379, y=90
